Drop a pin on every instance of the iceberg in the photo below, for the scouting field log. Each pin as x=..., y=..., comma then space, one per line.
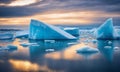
x=72, y=30
x=106, y=30
x=22, y=34
x=40, y=30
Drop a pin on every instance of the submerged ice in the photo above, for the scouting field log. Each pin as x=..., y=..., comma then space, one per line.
x=40, y=30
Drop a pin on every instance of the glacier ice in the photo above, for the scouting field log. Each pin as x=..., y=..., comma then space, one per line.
x=40, y=30
x=106, y=30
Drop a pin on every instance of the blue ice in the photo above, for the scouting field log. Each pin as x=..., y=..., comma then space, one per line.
x=40, y=30
x=106, y=30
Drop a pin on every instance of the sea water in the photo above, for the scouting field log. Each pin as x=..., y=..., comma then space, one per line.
x=60, y=55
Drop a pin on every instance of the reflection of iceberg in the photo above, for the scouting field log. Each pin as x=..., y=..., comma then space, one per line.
x=106, y=49
x=45, y=47
x=40, y=30
x=106, y=30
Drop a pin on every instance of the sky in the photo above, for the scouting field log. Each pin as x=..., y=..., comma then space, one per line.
x=82, y=12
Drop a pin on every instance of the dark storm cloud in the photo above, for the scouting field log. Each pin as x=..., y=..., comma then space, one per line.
x=110, y=6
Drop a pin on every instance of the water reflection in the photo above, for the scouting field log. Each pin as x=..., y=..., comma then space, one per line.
x=40, y=49
x=106, y=48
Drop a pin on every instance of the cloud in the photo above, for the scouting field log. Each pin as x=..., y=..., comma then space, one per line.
x=53, y=11
x=6, y=1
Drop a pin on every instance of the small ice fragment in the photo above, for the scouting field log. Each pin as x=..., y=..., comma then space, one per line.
x=50, y=50
x=12, y=47
x=29, y=44
x=107, y=47
x=109, y=42
x=116, y=48
x=49, y=41
x=94, y=41
x=72, y=43
x=87, y=50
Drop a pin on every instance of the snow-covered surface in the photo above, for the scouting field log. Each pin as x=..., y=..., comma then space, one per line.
x=40, y=30
x=106, y=30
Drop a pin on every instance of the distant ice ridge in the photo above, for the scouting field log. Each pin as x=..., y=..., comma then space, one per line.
x=5, y=36
x=107, y=31
x=40, y=30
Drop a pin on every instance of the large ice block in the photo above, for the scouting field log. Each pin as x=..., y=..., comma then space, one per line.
x=106, y=30
x=40, y=30
x=72, y=30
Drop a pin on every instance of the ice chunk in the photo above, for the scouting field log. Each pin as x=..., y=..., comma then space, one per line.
x=106, y=30
x=22, y=34
x=11, y=47
x=108, y=47
x=6, y=36
x=87, y=50
x=50, y=50
x=40, y=30
x=72, y=30
x=72, y=43
x=49, y=41
x=29, y=44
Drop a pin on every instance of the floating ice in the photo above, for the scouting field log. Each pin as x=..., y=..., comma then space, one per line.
x=107, y=47
x=22, y=34
x=72, y=30
x=116, y=48
x=106, y=30
x=11, y=47
x=40, y=30
x=87, y=50
x=94, y=41
x=29, y=44
x=109, y=42
x=49, y=41
x=72, y=43
x=6, y=36
x=50, y=50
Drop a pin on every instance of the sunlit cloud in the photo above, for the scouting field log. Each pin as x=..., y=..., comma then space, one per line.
x=83, y=17
x=20, y=3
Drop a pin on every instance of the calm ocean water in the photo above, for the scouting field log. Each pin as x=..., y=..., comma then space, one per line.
x=60, y=55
